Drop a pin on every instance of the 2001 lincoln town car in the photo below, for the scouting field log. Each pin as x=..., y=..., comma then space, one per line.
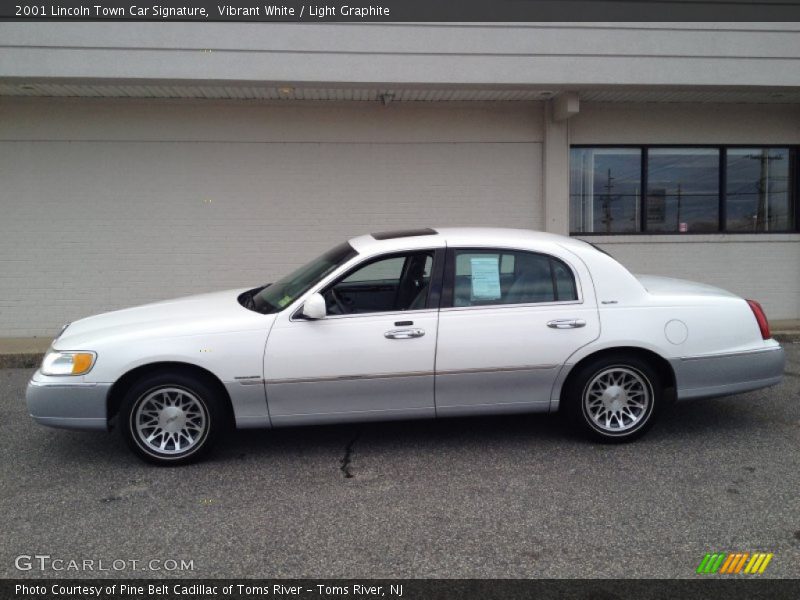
x=411, y=324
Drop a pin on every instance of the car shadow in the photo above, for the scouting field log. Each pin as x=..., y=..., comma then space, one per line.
x=685, y=421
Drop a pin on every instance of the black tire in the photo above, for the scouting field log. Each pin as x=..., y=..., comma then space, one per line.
x=601, y=416
x=195, y=420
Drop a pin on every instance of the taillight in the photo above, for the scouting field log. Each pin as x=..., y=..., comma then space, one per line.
x=761, y=318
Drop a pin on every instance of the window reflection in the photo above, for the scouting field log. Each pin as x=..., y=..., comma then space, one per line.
x=605, y=189
x=683, y=190
x=757, y=189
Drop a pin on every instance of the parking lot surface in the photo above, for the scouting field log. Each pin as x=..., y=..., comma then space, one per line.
x=481, y=497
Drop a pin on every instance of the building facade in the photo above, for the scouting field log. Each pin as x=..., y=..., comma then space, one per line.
x=142, y=161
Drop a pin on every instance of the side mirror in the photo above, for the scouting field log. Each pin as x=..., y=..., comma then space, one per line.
x=314, y=307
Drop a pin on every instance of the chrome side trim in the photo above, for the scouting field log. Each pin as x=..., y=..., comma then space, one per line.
x=496, y=369
x=407, y=374
x=729, y=354
x=510, y=306
x=390, y=313
x=348, y=377
x=255, y=380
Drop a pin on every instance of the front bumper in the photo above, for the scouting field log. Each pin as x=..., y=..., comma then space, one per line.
x=67, y=404
x=724, y=374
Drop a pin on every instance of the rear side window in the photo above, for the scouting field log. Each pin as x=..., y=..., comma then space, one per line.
x=565, y=282
x=496, y=277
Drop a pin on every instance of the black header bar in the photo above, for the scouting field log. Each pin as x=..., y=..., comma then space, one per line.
x=709, y=588
x=401, y=10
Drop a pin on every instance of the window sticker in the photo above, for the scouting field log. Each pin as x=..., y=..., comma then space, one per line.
x=284, y=301
x=485, y=277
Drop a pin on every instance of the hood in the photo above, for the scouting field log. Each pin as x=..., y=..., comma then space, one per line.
x=204, y=313
x=667, y=286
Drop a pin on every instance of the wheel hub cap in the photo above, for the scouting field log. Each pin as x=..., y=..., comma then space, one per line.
x=617, y=399
x=170, y=420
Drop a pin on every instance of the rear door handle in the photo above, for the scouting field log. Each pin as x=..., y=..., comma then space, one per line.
x=566, y=323
x=403, y=334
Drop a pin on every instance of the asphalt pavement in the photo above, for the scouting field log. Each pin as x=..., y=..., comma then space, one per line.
x=464, y=498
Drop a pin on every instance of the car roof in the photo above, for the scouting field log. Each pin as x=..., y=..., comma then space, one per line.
x=438, y=237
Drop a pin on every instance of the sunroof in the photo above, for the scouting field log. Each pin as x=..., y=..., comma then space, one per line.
x=401, y=233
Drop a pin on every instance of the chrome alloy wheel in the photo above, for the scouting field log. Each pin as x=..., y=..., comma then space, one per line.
x=617, y=399
x=170, y=421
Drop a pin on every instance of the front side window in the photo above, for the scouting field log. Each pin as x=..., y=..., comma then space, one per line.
x=395, y=283
x=492, y=277
x=279, y=295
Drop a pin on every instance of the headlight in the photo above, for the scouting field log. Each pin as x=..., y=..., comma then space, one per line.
x=67, y=363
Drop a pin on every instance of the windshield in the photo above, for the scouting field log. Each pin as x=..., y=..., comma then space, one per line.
x=282, y=293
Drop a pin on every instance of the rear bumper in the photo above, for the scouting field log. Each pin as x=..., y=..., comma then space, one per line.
x=68, y=405
x=724, y=374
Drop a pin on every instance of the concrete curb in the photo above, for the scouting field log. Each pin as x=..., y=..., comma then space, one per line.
x=787, y=337
x=21, y=360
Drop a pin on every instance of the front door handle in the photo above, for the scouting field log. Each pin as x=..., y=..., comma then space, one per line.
x=566, y=323
x=403, y=334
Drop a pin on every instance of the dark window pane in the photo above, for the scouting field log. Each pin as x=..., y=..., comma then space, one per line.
x=388, y=270
x=758, y=196
x=683, y=190
x=605, y=190
x=385, y=285
x=483, y=278
x=565, y=283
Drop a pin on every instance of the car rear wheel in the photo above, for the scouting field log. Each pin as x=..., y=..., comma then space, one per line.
x=171, y=418
x=614, y=398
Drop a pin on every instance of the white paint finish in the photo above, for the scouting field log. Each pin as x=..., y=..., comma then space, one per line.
x=508, y=337
x=98, y=225
x=763, y=270
x=599, y=123
x=676, y=332
x=211, y=331
x=350, y=346
x=566, y=54
x=214, y=332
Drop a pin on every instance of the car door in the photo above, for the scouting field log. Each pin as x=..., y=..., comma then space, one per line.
x=509, y=321
x=371, y=357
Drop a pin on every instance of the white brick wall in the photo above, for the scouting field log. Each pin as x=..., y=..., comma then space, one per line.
x=98, y=213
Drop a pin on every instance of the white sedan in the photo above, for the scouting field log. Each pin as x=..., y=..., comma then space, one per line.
x=409, y=324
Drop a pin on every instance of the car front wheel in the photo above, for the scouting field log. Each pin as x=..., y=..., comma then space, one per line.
x=171, y=419
x=615, y=398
